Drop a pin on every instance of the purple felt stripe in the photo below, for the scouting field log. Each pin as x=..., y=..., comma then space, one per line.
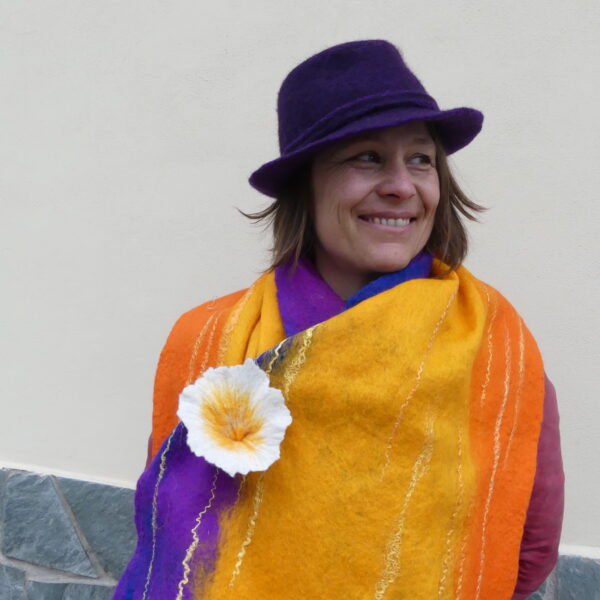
x=305, y=299
x=183, y=492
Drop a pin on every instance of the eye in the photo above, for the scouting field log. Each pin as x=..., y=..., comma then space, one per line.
x=369, y=156
x=422, y=161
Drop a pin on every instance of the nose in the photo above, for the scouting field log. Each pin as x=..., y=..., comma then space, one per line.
x=396, y=182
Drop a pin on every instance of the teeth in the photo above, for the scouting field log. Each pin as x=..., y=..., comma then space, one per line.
x=389, y=222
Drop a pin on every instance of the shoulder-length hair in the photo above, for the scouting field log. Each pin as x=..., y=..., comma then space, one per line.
x=294, y=235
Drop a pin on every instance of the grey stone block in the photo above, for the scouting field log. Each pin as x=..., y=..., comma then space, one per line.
x=2, y=488
x=81, y=591
x=36, y=528
x=579, y=578
x=105, y=515
x=12, y=583
x=37, y=590
x=67, y=591
x=3, y=475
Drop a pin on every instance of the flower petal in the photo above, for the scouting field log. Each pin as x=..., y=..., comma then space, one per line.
x=234, y=419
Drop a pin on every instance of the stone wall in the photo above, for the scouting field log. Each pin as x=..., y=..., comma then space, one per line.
x=65, y=539
x=62, y=539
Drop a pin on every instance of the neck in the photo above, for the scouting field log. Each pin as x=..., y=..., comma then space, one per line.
x=343, y=282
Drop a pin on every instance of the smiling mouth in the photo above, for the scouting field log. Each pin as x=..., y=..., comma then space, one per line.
x=388, y=222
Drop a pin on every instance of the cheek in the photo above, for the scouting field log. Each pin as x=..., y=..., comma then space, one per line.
x=432, y=198
x=336, y=194
x=328, y=208
x=322, y=220
x=328, y=229
x=432, y=208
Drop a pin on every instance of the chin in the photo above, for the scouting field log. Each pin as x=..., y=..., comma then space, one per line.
x=390, y=266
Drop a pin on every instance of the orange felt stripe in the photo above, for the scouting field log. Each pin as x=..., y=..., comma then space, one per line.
x=191, y=348
x=506, y=412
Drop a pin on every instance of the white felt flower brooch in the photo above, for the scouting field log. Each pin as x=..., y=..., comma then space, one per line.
x=234, y=419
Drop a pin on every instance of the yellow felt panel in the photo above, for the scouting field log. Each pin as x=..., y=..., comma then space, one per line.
x=254, y=324
x=369, y=496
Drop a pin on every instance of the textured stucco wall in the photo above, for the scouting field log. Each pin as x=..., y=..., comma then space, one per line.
x=129, y=129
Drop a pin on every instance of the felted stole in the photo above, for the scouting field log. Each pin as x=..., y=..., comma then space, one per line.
x=406, y=472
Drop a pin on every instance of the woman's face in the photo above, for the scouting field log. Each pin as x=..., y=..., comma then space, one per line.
x=373, y=204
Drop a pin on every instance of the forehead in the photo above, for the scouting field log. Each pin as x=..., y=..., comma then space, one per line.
x=408, y=133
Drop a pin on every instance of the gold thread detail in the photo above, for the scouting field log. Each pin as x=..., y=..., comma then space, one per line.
x=518, y=392
x=231, y=323
x=461, y=564
x=240, y=489
x=258, y=496
x=161, y=472
x=195, y=539
x=299, y=359
x=488, y=369
x=409, y=397
x=453, y=518
x=497, y=428
x=196, y=349
x=393, y=554
x=209, y=343
x=482, y=397
x=275, y=357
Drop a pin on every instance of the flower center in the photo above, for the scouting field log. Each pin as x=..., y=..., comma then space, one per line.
x=232, y=420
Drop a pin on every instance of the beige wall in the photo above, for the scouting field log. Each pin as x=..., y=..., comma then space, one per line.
x=129, y=129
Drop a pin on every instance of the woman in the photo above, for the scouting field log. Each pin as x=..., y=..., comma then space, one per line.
x=423, y=458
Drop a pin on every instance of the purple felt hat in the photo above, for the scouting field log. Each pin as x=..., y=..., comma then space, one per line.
x=346, y=90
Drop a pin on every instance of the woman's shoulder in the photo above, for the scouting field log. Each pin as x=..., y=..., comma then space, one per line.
x=213, y=315
x=503, y=319
x=196, y=327
x=203, y=312
x=491, y=295
x=505, y=323
x=191, y=347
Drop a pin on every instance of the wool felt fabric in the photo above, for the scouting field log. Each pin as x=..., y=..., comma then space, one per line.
x=305, y=299
x=198, y=341
x=406, y=472
x=317, y=302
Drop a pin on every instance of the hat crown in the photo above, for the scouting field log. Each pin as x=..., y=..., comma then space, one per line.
x=347, y=90
x=343, y=77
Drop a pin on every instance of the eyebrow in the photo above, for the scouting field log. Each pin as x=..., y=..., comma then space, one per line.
x=422, y=141
x=417, y=140
x=374, y=137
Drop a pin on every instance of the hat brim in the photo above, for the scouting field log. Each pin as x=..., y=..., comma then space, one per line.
x=455, y=128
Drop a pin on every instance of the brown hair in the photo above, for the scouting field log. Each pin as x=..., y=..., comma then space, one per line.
x=293, y=232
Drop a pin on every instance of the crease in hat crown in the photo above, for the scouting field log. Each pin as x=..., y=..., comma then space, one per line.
x=357, y=105
x=348, y=89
